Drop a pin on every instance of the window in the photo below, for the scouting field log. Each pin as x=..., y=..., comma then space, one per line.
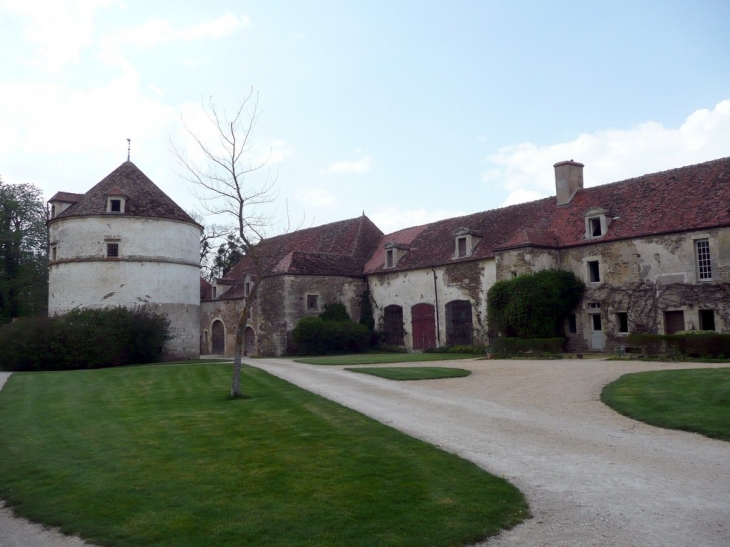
x=112, y=250
x=54, y=251
x=707, y=320
x=461, y=243
x=673, y=321
x=596, y=318
x=514, y=274
x=594, y=274
x=312, y=302
x=247, y=289
x=704, y=267
x=215, y=292
x=115, y=205
x=572, y=324
x=594, y=226
x=53, y=211
x=622, y=322
x=389, y=258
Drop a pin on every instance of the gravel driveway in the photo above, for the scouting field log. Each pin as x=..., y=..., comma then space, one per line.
x=591, y=476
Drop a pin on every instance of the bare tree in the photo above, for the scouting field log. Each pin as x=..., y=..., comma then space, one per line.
x=211, y=235
x=233, y=182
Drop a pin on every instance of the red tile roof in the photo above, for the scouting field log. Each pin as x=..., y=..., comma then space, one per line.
x=66, y=197
x=144, y=198
x=206, y=289
x=695, y=197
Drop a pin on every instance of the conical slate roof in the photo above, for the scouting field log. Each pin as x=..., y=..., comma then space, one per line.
x=144, y=198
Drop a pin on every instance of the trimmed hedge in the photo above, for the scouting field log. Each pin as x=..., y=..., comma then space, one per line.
x=515, y=346
x=695, y=344
x=83, y=339
x=476, y=350
x=315, y=336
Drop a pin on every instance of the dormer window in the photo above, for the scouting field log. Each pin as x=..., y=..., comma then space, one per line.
x=115, y=201
x=596, y=223
x=393, y=253
x=464, y=242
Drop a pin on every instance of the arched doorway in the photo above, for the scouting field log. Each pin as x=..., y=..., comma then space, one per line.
x=458, y=323
x=218, y=338
x=250, y=348
x=393, y=325
x=423, y=322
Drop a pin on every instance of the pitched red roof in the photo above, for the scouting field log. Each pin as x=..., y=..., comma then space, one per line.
x=206, y=289
x=66, y=197
x=144, y=198
x=695, y=197
x=339, y=248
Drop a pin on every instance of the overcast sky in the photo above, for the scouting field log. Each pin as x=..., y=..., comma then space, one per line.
x=411, y=111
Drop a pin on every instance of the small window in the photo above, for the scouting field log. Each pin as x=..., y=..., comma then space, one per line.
x=707, y=320
x=704, y=266
x=115, y=205
x=596, y=318
x=594, y=306
x=215, y=292
x=112, y=250
x=54, y=251
x=514, y=274
x=622, y=322
x=389, y=258
x=461, y=242
x=312, y=302
x=247, y=289
x=594, y=273
x=572, y=324
x=594, y=225
x=53, y=211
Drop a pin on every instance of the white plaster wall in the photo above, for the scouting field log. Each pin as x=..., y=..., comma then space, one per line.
x=412, y=287
x=157, y=266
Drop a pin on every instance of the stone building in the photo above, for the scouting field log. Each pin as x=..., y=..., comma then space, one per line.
x=654, y=252
x=126, y=243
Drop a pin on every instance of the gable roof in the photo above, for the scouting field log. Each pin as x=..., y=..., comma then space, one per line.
x=66, y=197
x=339, y=248
x=144, y=198
x=689, y=198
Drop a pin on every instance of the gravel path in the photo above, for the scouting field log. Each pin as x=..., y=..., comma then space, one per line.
x=591, y=476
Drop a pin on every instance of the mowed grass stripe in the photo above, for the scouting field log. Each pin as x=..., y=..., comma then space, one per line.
x=383, y=358
x=412, y=373
x=696, y=400
x=161, y=456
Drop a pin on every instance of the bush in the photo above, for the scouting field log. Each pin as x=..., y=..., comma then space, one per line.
x=534, y=305
x=83, y=339
x=314, y=336
x=516, y=346
x=335, y=312
x=476, y=350
x=689, y=344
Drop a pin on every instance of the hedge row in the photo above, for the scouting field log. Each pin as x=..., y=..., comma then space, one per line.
x=699, y=344
x=83, y=339
x=315, y=336
x=514, y=346
x=476, y=350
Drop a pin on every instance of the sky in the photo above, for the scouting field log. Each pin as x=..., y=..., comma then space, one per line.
x=409, y=111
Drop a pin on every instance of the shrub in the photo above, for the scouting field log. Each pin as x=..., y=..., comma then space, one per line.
x=476, y=350
x=335, y=312
x=515, y=346
x=314, y=336
x=688, y=344
x=534, y=305
x=366, y=310
x=83, y=339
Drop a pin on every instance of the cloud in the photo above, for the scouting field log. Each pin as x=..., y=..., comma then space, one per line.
x=390, y=219
x=314, y=197
x=357, y=167
x=526, y=170
x=158, y=31
x=60, y=29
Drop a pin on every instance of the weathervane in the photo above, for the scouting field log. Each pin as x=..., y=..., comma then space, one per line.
x=129, y=148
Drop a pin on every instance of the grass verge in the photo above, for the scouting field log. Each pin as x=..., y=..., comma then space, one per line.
x=160, y=456
x=413, y=373
x=382, y=358
x=696, y=400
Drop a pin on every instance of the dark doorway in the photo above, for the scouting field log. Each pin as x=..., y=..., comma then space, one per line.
x=707, y=320
x=458, y=323
x=393, y=325
x=423, y=321
x=673, y=321
x=218, y=338
x=250, y=341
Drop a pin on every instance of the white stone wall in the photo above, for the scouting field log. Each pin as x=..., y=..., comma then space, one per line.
x=157, y=266
x=412, y=287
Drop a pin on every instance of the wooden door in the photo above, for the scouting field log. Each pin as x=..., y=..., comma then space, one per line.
x=673, y=321
x=250, y=342
x=423, y=326
x=218, y=339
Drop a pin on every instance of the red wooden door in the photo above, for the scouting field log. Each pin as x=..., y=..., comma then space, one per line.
x=250, y=341
x=423, y=326
x=218, y=339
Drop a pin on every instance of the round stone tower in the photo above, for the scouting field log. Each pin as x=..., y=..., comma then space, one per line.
x=126, y=243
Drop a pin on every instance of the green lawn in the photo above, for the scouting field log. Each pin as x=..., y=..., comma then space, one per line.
x=413, y=373
x=383, y=358
x=161, y=456
x=695, y=400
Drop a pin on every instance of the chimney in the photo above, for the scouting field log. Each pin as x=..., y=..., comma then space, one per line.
x=568, y=180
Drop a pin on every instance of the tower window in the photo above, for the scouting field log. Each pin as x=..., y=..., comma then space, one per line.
x=112, y=250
